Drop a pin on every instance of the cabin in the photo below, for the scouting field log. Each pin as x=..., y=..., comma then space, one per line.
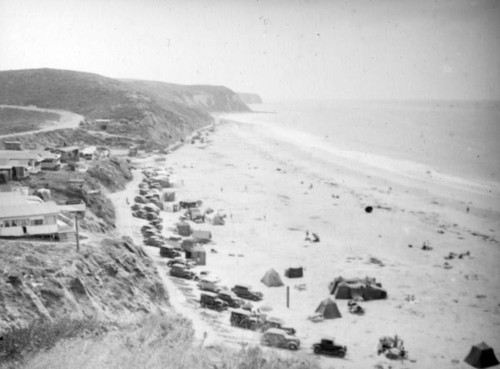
x=68, y=153
x=27, y=161
x=51, y=161
x=22, y=216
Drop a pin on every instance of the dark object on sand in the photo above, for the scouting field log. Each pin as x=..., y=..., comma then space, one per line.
x=426, y=246
x=328, y=347
x=481, y=356
x=369, y=209
x=315, y=237
x=294, y=272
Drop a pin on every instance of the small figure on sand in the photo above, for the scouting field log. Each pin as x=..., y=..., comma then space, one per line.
x=315, y=237
x=307, y=236
x=311, y=186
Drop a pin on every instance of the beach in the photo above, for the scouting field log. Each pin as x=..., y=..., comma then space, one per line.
x=274, y=190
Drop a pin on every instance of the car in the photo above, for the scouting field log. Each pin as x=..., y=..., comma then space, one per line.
x=180, y=271
x=209, y=284
x=169, y=252
x=211, y=301
x=230, y=298
x=179, y=261
x=329, y=347
x=246, y=292
x=278, y=338
x=272, y=322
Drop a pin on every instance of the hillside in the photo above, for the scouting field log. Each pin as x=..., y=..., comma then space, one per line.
x=14, y=120
x=199, y=97
x=137, y=109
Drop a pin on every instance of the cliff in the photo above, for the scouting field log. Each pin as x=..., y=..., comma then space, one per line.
x=199, y=97
x=250, y=98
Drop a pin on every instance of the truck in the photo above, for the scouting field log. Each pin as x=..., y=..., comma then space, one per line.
x=211, y=301
x=230, y=298
x=244, y=319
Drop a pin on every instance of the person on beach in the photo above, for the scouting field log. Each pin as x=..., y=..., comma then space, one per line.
x=307, y=236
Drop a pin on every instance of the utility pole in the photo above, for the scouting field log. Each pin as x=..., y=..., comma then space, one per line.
x=288, y=296
x=77, y=238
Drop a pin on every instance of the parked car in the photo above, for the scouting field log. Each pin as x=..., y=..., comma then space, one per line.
x=328, y=347
x=244, y=319
x=278, y=338
x=209, y=284
x=182, y=272
x=211, y=301
x=179, y=261
x=230, y=298
x=246, y=292
x=272, y=322
x=169, y=252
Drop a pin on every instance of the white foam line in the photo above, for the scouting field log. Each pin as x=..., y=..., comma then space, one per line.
x=409, y=169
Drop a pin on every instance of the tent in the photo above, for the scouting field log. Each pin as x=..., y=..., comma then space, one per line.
x=272, y=279
x=329, y=309
x=481, y=356
x=202, y=236
x=365, y=288
x=199, y=255
x=218, y=220
x=294, y=272
x=169, y=196
x=184, y=229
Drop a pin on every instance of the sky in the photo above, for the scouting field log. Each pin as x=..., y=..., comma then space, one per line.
x=290, y=49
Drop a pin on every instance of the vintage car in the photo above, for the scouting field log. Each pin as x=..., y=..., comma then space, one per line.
x=278, y=338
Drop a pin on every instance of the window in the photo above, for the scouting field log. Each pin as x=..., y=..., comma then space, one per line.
x=15, y=223
x=35, y=222
x=6, y=223
x=23, y=222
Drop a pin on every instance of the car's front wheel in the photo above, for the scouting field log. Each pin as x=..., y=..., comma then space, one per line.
x=292, y=346
x=317, y=350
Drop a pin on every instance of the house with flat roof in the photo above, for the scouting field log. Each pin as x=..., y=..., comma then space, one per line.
x=31, y=160
x=22, y=216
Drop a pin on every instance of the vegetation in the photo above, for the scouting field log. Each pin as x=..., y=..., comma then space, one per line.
x=14, y=120
x=157, y=341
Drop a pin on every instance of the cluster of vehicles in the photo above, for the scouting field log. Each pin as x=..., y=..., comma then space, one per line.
x=275, y=333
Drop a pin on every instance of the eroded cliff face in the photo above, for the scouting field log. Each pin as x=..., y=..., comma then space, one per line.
x=50, y=281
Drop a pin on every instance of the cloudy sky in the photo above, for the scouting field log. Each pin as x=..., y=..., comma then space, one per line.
x=281, y=49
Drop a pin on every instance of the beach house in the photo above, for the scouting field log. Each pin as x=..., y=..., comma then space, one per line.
x=68, y=153
x=22, y=215
x=23, y=162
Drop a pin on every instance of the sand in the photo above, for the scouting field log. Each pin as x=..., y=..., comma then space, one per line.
x=274, y=192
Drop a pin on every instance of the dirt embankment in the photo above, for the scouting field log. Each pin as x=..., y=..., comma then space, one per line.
x=42, y=281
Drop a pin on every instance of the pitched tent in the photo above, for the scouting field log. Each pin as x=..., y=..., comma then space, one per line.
x=481, y=356
x=184, y=229
x=218, y=220
x=294, y=272
x=199, y=255
x=272, y=279
x=329, y=309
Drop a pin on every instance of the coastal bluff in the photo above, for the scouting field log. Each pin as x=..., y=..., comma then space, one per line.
x=250, y=98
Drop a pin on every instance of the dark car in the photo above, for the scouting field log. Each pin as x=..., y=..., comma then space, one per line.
x=182, y=272
x=211, y=301
x=328, y=347
x=246, y=292
x=230, y=298
x=169, y=252
x=279, y=338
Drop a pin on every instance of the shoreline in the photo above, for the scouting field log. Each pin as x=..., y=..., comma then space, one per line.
x=269, y=211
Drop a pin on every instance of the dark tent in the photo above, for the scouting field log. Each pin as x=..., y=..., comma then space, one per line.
x=365, y=288
x=481, y=356
x=272, y=279
x=329, y=309
x=184, y=229
x=294, y=272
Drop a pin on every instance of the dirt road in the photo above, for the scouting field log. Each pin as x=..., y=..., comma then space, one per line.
x=67, y=120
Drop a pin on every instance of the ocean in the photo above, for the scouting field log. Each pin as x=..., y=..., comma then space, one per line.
x=456, y=140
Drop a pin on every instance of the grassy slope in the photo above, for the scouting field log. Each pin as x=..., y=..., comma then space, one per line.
x=18, y=120
x=158, y=342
